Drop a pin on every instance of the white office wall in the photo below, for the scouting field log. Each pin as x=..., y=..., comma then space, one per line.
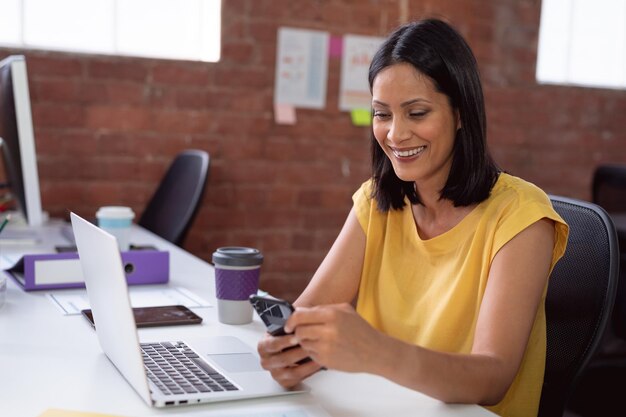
x=582, y=42
x=172, y=29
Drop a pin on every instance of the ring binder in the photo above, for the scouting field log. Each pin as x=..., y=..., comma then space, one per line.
x=63, y=270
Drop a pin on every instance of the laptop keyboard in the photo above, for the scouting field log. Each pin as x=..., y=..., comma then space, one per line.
x=176, y=369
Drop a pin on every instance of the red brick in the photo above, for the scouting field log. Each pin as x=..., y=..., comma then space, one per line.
x=232, y=123
x=54, y=65
x=295, y=262
x=60, y=193
x=105, y=193
x=191, y=74
x=125, y=93
x=242, y=148
x=192, y=99
x=245, y=78
x=222, y=219
x=271, y=218
x=263, y=32
x=233, y=27
x=118, y=68
x=181, y=121
x=272, y=241
x=58, y=115
x=225, y=195
x=281, y=196
x=242, y=195
x=118, y=118
x=54, y=90
x=234, y=9
x=302, y=241
x=238, y=52
x=260, y=103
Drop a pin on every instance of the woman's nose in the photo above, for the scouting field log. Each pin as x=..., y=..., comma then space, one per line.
x=399, y=130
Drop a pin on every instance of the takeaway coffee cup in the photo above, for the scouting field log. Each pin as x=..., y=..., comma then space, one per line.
x=237, y=271
x=117, y=221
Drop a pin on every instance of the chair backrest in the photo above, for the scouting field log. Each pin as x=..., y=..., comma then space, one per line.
x=176, y=201
x=580, y=298
x=609, y=187
x=609, y=192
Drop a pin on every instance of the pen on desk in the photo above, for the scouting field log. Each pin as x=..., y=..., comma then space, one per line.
x=4, y=222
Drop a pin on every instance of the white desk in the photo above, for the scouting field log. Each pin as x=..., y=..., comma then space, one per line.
x=48, y=360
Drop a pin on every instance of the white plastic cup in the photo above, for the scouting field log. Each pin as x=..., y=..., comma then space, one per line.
x=117, y=221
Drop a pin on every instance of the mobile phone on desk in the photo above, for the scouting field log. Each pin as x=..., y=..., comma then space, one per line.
x=158, y=316
x=274, y=312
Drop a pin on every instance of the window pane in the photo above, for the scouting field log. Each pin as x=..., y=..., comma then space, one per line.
x=174, y=29
x=597, y=54
x=583, y=42
x=10, y=22
x=211, y=30
x=554, y=41
x=76, y=25
x=159, y=28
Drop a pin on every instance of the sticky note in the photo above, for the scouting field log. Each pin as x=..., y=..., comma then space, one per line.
x=284, y=114
x=335, y=46
x=361, y=117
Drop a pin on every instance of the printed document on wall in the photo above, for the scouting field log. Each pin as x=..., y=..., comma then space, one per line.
x=301, y=68
x=354, y=91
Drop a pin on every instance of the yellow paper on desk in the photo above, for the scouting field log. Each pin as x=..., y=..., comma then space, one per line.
x=54, y=412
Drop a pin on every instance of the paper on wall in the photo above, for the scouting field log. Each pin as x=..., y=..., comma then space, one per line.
x=354, y=91
x=301, y=68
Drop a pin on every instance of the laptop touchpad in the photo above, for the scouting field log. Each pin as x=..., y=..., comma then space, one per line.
x=237, y=362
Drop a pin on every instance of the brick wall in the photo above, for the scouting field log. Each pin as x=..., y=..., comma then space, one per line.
x=107, y=127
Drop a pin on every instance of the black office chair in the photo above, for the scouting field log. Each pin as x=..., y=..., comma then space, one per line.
x=608, y=187
x=176, y=201
x=609, y=192
x=600, y=388
x=580, y=297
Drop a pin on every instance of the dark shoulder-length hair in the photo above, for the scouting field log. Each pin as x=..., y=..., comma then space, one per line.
x=438, y=51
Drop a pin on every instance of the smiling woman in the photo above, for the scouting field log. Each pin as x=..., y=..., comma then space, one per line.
x=447, y=257
x=413, y=121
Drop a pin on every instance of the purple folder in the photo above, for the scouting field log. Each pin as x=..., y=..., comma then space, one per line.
x=63, y=270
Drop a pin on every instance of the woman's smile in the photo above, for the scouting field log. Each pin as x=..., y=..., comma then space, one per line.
x=407, y=154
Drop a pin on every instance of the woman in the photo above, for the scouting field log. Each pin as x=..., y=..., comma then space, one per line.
x=448, y=258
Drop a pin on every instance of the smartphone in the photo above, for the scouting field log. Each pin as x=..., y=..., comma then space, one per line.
x=273, y=311
x=158, y=316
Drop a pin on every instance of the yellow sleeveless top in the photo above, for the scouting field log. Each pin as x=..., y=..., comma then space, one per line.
x=429, y=292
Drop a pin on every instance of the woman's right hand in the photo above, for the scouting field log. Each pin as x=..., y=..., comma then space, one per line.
x=280, y=354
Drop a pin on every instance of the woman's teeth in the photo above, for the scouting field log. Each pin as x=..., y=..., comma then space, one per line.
x=410, y=152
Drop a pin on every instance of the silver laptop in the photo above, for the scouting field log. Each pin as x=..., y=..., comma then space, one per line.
x=164, y=373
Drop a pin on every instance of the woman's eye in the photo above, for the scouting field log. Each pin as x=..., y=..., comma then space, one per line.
x=380, y=115
x=418, y=114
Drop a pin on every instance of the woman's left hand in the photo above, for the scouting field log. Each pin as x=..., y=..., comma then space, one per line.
x=336, y=337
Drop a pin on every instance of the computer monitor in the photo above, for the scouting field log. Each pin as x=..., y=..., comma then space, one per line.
x=18, y=141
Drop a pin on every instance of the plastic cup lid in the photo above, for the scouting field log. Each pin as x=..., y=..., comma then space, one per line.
x=115, y=212
x=237, y=256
